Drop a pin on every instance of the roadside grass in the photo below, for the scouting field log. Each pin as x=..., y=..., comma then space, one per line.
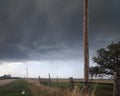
x=99, y=89
x=53, y=89
x=15, y=88
x=94, y=89
x=38, y=89
x=104, y=90
x=61, y=85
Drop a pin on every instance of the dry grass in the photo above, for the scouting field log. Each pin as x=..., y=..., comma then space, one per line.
x=38, y=89
x=80, y=92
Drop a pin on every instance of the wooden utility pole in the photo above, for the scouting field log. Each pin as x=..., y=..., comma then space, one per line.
x=86, y=51
x=116, y=84
x=27, y=73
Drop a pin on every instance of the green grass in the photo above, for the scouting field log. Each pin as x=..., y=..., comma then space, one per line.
x=61, y=85
x=104, y=90
x=15, y=88
x=100, y=89
x=94, y=89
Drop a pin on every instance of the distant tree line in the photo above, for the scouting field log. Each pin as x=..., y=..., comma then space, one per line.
x=9, y=77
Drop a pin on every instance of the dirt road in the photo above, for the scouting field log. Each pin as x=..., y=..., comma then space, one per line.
x=5, y=82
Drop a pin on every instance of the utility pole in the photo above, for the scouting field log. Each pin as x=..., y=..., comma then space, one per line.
x=49, y=79
x=86, y=51
x=27, y=73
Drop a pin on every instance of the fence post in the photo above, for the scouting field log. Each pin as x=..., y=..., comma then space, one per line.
x=39, y=79
x=49, y=79
x=115, y=89
x=118, y=83
x=57, y=80
x=71, y=85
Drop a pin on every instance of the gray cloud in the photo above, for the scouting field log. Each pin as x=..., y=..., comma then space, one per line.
x=103, y=23
x=52, y=29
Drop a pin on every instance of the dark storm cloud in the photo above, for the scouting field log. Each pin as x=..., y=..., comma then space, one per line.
x=104, y=22
x=31, y=26
x=52, y=29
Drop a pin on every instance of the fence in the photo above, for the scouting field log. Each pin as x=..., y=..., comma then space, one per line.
x=70, y=83
x=94, y=86
x=116, y=84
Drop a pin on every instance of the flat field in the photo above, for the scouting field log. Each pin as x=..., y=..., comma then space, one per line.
x=32, y=87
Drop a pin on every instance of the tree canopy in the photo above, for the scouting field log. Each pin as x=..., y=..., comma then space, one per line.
x=107, y=60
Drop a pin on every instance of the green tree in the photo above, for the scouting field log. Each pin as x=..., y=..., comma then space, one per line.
x=107, y=60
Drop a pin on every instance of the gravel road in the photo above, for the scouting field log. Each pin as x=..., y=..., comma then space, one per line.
x=7, y=81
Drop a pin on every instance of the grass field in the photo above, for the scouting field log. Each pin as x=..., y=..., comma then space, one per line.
x=94, y=89
x=34, y=88
x=61, y=85
x=104, y=90
x=38, y=89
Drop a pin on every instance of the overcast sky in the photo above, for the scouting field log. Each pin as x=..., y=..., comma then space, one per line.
x=46, y=36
